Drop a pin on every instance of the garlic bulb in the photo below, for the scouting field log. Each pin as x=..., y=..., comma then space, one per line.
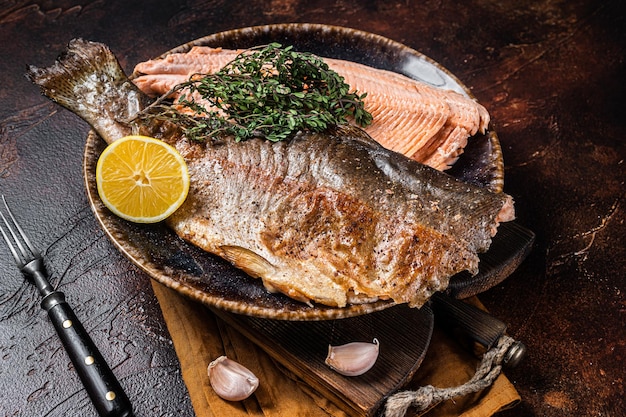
x=354, y=358
x=231, y=380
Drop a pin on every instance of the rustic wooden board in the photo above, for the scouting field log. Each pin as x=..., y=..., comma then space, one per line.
x=301, y=346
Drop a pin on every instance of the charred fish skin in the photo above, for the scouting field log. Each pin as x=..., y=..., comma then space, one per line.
x=88, y=80
x=330, y=218
x=326, y=216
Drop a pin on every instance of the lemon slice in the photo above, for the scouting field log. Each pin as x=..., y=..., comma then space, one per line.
x=142, y=179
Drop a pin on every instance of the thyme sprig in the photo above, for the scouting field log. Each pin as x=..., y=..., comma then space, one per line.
x=269, y=92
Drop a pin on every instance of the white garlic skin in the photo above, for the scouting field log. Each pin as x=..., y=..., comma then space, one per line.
x=353, y=359
x=231, y=380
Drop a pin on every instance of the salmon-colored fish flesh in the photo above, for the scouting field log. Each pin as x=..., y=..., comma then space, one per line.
x=428, y=124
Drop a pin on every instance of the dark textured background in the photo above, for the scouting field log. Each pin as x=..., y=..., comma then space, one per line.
x=551, y=73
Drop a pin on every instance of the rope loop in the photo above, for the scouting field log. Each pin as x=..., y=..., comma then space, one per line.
x=427, y=396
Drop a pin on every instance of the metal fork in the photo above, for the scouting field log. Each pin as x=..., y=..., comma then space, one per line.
x=101, y=384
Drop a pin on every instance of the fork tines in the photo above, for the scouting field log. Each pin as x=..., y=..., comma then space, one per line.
x=22, y=250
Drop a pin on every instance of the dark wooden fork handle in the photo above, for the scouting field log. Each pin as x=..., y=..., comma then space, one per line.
x=101, y=384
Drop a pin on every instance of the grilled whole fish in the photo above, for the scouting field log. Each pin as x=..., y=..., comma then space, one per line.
x=331, y=218
x=428, y=124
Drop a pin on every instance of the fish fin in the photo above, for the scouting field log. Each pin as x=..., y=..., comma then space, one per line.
x=250, y=262
x=274, y=287
x=257, y=266
x=88, y=80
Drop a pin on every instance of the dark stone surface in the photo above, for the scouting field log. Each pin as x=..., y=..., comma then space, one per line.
x=552, y=75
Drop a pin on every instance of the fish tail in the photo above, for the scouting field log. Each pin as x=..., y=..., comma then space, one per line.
x=88, y=80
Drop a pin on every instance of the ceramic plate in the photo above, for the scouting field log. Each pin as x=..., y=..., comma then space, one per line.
x=212, y=281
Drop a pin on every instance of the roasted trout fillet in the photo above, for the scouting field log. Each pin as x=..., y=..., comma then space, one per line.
x=331, y=218
x=429, y=124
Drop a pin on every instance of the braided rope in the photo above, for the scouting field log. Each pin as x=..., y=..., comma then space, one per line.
x=487, y=371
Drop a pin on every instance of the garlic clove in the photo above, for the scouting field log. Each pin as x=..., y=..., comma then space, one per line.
x=231, y=380
x=354, y=358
